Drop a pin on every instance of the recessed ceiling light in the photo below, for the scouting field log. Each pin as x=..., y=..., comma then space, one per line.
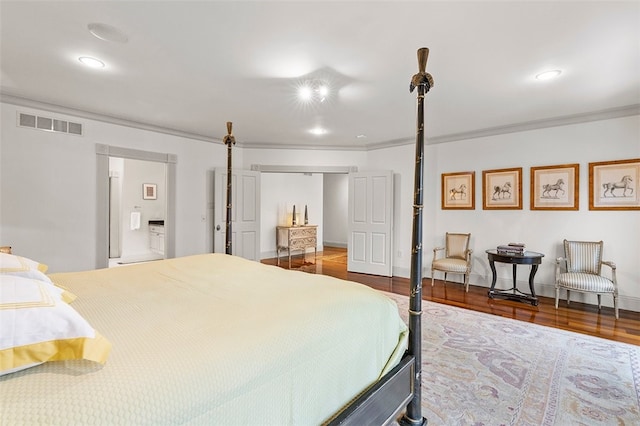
x=361, y=136
x=548, y=75
x=107, y=33
x=318, y=131
x=91, y=62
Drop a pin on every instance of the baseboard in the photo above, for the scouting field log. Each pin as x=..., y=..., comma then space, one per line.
x=628, y=303
x=334, y=244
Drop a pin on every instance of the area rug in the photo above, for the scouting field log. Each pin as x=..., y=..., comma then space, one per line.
x=480, y=369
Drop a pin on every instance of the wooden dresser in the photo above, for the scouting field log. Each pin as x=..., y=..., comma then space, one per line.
x=296, y=238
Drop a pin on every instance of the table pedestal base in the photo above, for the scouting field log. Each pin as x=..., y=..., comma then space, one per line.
x=513, y=294
x=528, y=258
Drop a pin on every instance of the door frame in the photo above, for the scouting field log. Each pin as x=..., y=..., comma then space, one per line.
x=103, y=152
x=319, y=169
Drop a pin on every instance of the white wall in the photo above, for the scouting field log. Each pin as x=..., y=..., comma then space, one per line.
x=47, y=193
x=48, y=187
x=542, y=231
x=336, y=203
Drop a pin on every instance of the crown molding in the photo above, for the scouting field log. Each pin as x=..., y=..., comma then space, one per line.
x=604, y=114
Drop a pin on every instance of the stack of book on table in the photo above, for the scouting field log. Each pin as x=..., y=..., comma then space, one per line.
x=511, y=248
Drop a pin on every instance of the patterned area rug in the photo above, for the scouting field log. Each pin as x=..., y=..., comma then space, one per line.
x=480, y=369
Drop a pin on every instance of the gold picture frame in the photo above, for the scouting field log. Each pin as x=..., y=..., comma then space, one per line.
x=613, y=185
x=502, y=189
x=458, y=191
x=555, y=187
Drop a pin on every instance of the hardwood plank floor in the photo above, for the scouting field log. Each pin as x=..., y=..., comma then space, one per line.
x=578, y=317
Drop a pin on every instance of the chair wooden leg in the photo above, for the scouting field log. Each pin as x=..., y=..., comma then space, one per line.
x=466, y=283
x=615, y=305
x=445, y=277
x=557, y=296
x=599, y=302
x=432, y=274
x=568, y=297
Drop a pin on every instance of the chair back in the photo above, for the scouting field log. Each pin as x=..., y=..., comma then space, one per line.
x=457, y=245
x=583, y=256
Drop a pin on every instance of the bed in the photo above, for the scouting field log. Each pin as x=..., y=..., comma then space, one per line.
x=212, y=339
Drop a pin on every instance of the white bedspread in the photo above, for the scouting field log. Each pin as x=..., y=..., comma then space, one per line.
x=212, y=339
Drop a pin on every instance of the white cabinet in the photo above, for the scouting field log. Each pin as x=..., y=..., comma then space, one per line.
x=156, y=238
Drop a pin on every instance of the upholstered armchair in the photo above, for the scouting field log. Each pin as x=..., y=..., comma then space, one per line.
x=457, y=257
x=580, y=270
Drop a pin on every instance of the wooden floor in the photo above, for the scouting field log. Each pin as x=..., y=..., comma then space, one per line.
x=578, y=317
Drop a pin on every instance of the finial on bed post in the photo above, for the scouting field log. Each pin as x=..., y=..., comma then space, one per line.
x=228, y=140
x=423, y=81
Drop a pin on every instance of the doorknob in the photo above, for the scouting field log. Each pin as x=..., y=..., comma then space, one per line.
x=217, y=227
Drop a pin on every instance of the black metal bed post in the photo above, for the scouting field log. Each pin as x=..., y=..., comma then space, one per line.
x=228, y=140
x=423, y=81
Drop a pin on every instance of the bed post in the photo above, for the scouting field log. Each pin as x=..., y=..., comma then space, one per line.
x=228, y=140
x=423, y=81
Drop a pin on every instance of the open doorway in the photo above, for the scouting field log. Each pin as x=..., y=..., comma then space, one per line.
x=322, y=194
x=103, y=153
x=137, y=210
x=335, y=201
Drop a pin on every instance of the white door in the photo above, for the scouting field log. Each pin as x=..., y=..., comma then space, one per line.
x=245, y=213
x=370, y=223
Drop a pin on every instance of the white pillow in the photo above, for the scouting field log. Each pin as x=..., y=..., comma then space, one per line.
x=13, y=263
x=10, y=264
x=37, y=326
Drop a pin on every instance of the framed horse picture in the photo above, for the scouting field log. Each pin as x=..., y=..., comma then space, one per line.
x=613, y=185
x=502, y=189
x=555, y=187
x=458, y=191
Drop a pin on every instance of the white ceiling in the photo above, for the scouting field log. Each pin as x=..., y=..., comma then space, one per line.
x=189, y=67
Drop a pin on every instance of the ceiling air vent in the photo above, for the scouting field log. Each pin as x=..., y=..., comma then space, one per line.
x=49, y=124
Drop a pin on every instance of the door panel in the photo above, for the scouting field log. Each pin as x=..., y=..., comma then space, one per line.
x=245, y=213
x=370, y=223
x=379, y=200
x=378, y=248
x=249, y=248
x=358, y=247
x=250, y=212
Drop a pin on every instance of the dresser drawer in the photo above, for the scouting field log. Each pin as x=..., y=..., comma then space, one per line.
x=302, y=232
x=301, y=243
